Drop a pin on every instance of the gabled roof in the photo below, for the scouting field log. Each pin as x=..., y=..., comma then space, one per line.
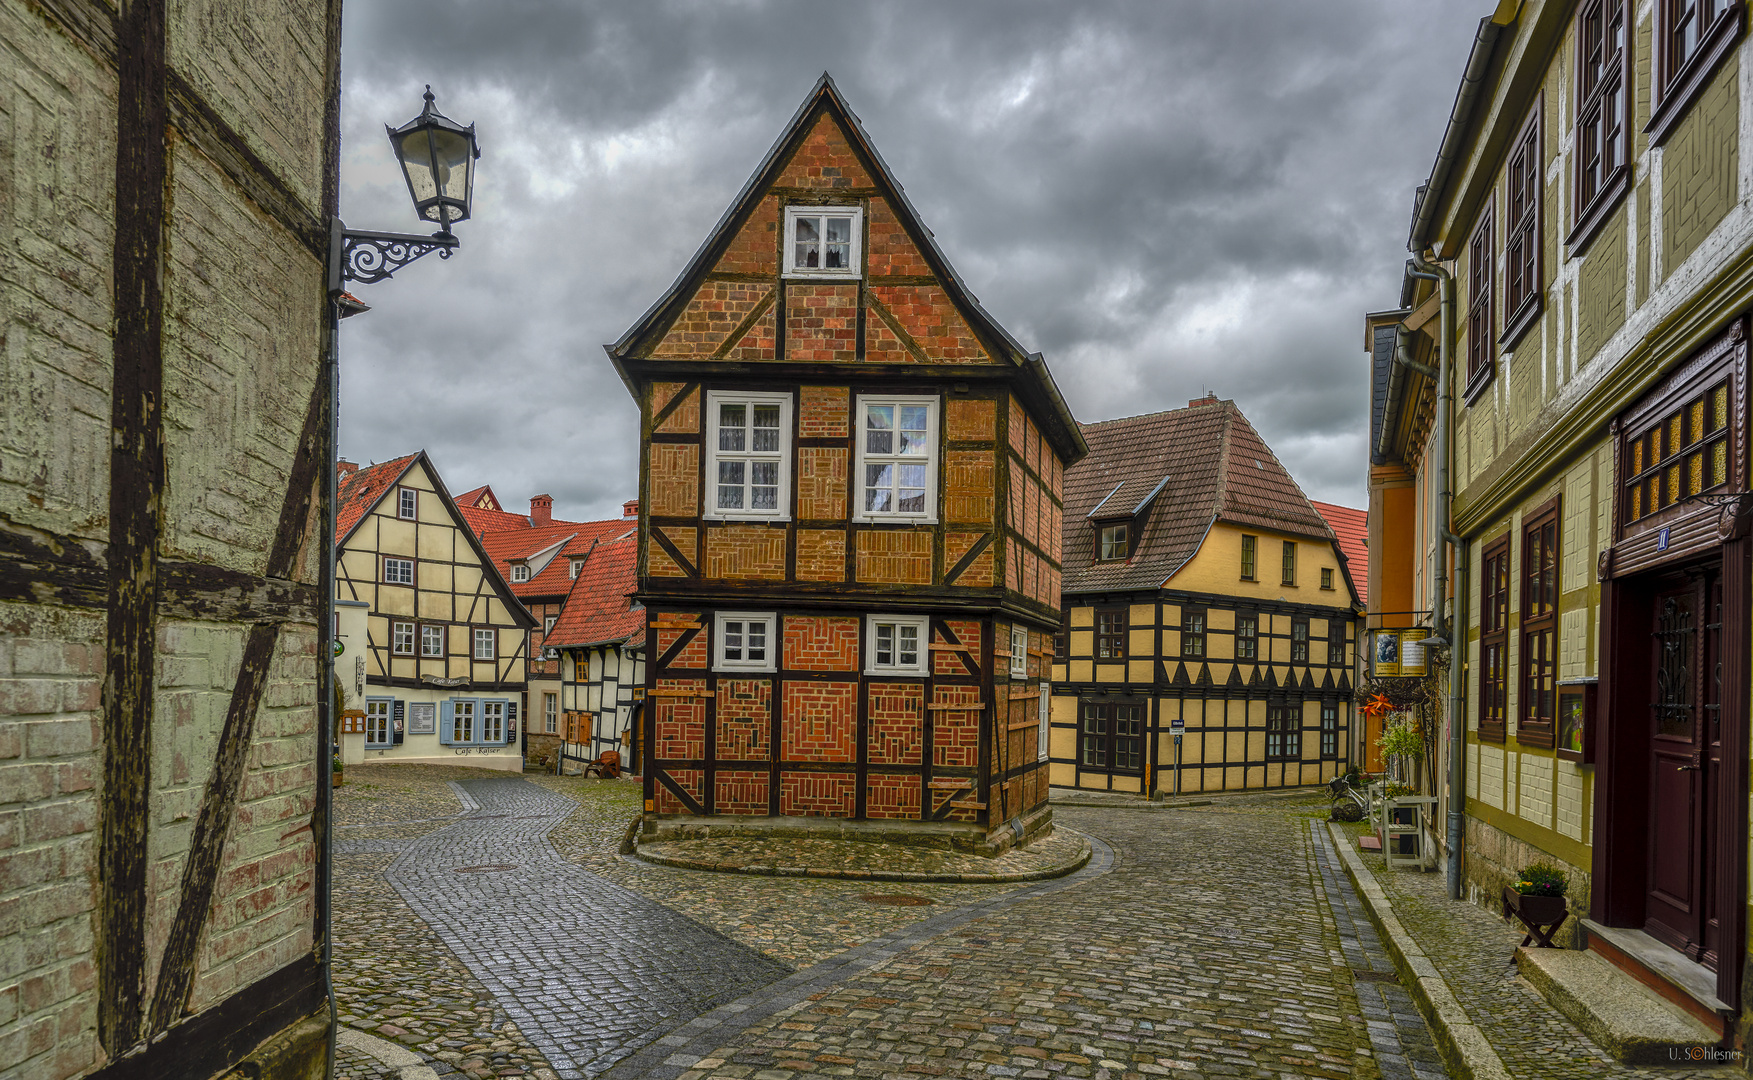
x=492, y=521
x=364, y=488
x=1217, y=468
x=1352, y=529
x=598, y=610
x=481, y=498
x=367, y=487
x=825, y=96
x=555, y=578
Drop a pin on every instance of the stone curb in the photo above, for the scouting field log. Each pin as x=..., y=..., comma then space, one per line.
x=409, y=1065
x=1464, y=1048
x=1072, y=865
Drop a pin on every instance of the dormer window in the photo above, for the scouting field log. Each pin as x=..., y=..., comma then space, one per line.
x=520, y=572
x=572, y=571
x=1111, y=541
x=823, y=241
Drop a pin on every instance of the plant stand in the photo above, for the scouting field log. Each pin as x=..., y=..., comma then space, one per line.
x=1402, y=819
x=1541, y=916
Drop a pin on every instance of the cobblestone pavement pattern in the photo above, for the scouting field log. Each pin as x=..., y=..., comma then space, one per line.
x=1470, y=948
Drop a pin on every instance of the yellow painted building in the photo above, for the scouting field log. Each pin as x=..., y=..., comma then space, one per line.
x=440, y=673
x=1209, y=640
x=1558, y=443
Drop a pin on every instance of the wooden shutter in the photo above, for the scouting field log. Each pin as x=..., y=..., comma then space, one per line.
x=447, y=712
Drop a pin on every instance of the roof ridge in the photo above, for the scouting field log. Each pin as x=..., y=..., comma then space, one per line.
x=1273, y=454
x=1203, y=404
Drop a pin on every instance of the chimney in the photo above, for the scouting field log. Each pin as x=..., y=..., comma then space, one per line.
x=542, y=510
x=344, y=469
x=630, y=508
x=1210, y=398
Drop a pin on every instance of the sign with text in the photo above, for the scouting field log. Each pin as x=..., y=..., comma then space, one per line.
x=1397, y=654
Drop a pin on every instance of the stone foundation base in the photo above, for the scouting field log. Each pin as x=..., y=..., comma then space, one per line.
x=300, y=1052
x=939, y=835
x=1490, y=860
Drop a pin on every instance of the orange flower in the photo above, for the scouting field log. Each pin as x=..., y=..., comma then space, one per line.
x=1378, y=706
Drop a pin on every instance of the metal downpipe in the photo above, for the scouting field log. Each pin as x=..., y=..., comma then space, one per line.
x=1440, y=517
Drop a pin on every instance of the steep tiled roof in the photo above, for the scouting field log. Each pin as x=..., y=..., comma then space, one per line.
x=1352, y=527
x=363, y=489
x=597, y=610
x=480, y=498
x=554, y=579
x=1217, y=467
x=492, y=521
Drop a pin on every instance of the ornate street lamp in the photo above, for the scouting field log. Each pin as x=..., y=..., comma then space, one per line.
x=437, y=156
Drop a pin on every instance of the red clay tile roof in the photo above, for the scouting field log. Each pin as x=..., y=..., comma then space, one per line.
x=555, y=578
x=597, y=611
x=1352, y=527
x=1217, y=466
x=492, y=521
x=473, y=499
x=363, y=489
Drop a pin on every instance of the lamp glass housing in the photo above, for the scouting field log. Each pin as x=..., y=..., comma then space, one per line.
x=438, y=157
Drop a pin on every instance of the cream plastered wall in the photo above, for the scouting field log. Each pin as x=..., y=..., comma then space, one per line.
x=1217, y=568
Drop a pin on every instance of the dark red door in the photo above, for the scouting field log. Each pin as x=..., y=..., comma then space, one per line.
x=1684, y=759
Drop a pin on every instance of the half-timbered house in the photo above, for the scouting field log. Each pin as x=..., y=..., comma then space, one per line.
x=446, y=639
x=849, y=485
x=1210, y=620
x=600, y=637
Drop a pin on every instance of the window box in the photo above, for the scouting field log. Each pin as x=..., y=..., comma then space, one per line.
x=744, y=641
x=824, y=241
x=895, y=645
x=897, y=459
x=748, y=466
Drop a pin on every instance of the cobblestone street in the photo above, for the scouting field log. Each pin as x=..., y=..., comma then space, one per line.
x=488, y=925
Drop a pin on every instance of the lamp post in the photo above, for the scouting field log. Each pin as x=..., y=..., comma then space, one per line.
x=437, y=156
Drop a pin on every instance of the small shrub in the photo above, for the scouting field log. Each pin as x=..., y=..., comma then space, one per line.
x=1402, y=736
x=1541, y=879
x=1399, y=791
x=1346, y=811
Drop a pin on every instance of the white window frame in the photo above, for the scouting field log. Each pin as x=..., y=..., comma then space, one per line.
x=921, y=665
x=548, y=622
x=457, y=717
x=768, y=663
x=854, y=268
x=520, y=571
x=933, y=457
x=572, y=570
x=551, y=712
x=380, y=711
x=716, y=398
x=403, y=496
x=487, y=634
x=396, y=627
x=493, y=722
x=438, y=633
x=397, y=578
x=1019, y=652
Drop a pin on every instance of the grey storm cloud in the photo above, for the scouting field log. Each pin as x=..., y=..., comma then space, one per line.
x=1163, y=196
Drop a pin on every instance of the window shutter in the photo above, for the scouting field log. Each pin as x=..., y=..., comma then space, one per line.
x=397, y=726
x=510, y=722
x=447, y=712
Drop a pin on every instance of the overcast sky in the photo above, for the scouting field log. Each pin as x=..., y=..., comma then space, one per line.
x=1163, y=196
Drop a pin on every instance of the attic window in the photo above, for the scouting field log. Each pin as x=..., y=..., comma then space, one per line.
x=573, y=569
x=520, y=572
x=823, y=241
x=1111, y=541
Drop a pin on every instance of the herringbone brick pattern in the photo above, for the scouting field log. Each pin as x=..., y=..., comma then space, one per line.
x=821, y=483
x=674, y=489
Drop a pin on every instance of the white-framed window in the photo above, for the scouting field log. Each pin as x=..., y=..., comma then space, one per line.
x=407, y=503
x=520, y=571
x=824, y=241
x=746, y=641
x=897, y=459
x=551, y=713
x=572, y=570
x=401, y=639
x=431, y=640
x=492, y=721
x=398, y=571
x=896, y=645
x=1019, y=653
x=548, y=625
x=748, y=468
x=377, y=722
x=486, y=644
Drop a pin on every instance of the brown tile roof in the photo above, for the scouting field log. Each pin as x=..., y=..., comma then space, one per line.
x=363, y=489
x=492, y=521
x=1352, y=527
x=597, y=610
x=1217, y=467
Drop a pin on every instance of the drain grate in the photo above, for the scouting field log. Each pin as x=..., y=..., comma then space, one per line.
x=896, y=900
x=484, y=868
x=1360, y=975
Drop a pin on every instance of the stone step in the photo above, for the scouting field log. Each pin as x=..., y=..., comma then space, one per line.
x=1625, y=1018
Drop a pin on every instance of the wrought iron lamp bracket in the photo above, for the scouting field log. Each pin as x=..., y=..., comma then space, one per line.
x=365, y=256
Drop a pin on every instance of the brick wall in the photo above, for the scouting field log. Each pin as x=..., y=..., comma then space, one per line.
x=932, y=321
x=819, y=721
x=680, y=728
x=895, y=722
x=674, y=488
x=716, y=309
x=977, y=574
x=821, y=555
x=685, y=418
x=968, y=486
x=741, y=791
x=891, y=797
x=971, y=419
x=821, y=483
x=955, y=734
x=891, y=250
x=823, y=412
x=756, y=244
x=692, y=781
x=824, y=161
x=1701, y=167
x=821, y=643
x=821, y=323
x=744, y=723
x=894, y=557
x=745, y=552
x=685, y=540
x=818, y=794
x=695, y=654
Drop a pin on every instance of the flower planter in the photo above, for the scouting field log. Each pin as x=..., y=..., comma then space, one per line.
x=1541, y=915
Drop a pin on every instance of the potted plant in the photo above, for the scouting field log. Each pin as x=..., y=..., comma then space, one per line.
x=1402, y=740
x=1537, y=895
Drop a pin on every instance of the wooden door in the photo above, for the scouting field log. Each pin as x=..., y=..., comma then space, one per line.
x=1685, y=740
